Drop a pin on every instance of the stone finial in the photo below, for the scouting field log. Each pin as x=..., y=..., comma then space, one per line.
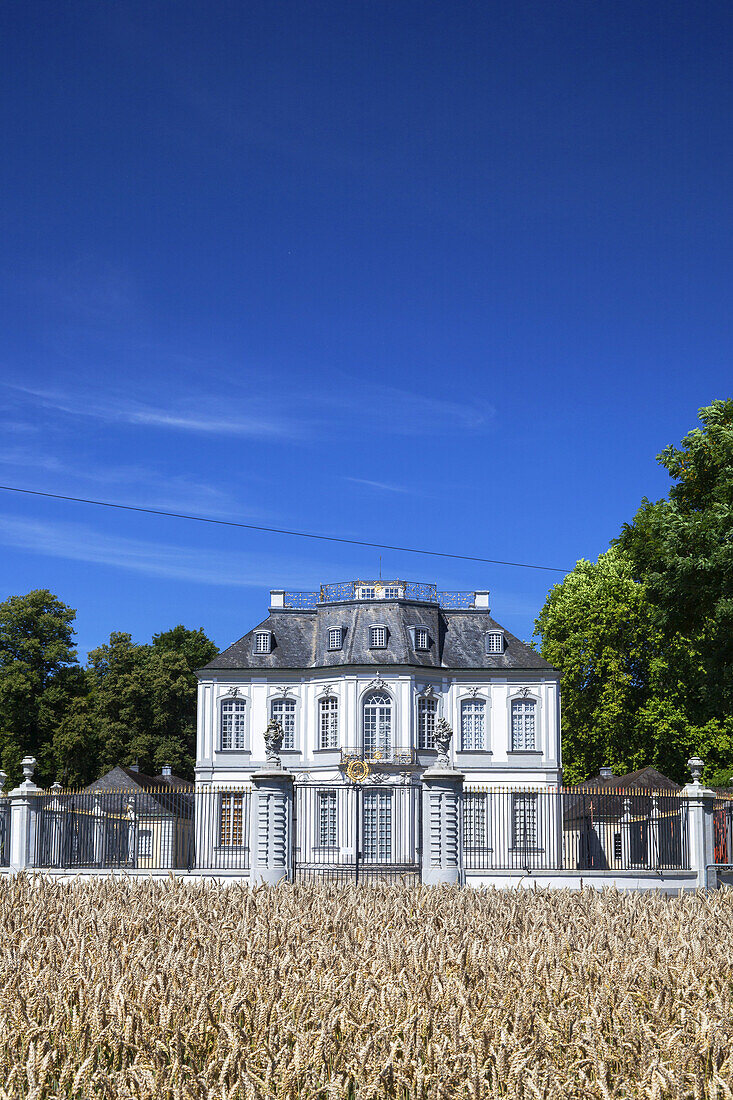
x=442, y=738
x=28, y=764
x=696, y=766
x=3, y=779
x=56, y=787
x=273, y=742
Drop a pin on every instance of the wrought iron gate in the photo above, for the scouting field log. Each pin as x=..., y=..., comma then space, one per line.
x=356, y=832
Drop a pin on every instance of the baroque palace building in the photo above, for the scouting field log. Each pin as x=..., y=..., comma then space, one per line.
x=364, y=670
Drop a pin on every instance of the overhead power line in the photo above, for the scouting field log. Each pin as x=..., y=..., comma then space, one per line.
x=277, y=530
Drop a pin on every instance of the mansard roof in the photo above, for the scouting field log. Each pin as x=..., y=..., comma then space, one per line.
x=300, y=639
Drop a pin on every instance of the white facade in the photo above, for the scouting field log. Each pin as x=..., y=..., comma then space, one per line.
x=509, y=719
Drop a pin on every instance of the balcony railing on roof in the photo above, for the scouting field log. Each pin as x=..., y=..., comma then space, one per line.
x=350, y=590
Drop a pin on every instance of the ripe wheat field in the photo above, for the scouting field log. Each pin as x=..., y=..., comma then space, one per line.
x=132, y=989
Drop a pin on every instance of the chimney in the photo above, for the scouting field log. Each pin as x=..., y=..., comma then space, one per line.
x=166, y=771
x=277, y=597
x=481, y=599
x=606, y=773
x=134, y=767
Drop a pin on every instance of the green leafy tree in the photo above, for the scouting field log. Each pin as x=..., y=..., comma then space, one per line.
x=39, y=678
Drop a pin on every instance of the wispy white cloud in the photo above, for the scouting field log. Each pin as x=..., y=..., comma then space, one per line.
x=79, y=542
x=377, y=485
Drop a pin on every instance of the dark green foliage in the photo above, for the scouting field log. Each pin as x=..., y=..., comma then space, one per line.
x=644, y=636
x=131, y=703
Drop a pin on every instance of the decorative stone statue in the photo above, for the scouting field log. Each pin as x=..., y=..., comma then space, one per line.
x=273, y=742
x=442, y=738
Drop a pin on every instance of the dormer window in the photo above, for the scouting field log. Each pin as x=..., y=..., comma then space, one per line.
x=263, y=641
x=367, y=592
x=422, y=639
x=378, y=637
x=336, y=638
x=495, y=641
x=391, y=592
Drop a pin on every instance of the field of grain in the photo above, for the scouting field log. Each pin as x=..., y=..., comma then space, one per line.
x=134, y=989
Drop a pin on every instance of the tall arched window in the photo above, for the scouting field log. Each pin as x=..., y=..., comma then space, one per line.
x=473, y=725
x=427, y=710
x=524, y=724
x=283, y=711
x=377, y=722
x=328, y=722
x=233, y=723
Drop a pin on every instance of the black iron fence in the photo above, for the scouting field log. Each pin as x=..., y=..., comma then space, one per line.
x=573, y=829
x=4, y=831
x=723, y=829
x=149, y=829
x=357, y=832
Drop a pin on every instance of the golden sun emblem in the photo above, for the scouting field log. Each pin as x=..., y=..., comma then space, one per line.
x=357, y=770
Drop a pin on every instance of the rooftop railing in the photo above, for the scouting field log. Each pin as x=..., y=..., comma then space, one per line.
x=378, y=590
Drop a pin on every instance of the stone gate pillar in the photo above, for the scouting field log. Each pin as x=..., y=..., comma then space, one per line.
x=700, y=827
x=442, y=850
x=271, y=839
x=23, y=818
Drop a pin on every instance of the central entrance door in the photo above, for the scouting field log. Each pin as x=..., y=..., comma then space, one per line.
x=357, y=832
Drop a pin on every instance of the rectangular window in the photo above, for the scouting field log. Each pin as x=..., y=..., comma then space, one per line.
x=421, y=638
x=334, y=639
x=327, y=833
x=524, y=820
x=145, y=842
x=378, y=638
x=366, y=593
x=262, y=642
x=474, y=823
x=473, y=721
x=230, y=820
x=377, y=838
x=617, y=848
x=391, y=593
x=523, y=725
x=426, y=713
x=283, y=710
x=233, y=723
x=329, y=708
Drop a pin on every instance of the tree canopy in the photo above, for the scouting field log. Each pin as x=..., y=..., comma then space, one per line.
x=644, y=636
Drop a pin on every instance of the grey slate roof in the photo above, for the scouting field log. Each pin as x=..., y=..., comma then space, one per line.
x=153, y=793
x=300, y=639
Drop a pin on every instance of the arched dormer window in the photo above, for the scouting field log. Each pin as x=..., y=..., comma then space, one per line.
x=494, y=642
x=233, y=722
x=378, y=636
x=263, y=641
x=328, y=722
x=377, y=722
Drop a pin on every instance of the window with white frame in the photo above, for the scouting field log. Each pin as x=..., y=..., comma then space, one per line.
x=421, y=638
x=329, y=722
x=145, y=842
x=524, y=821
x=427, y=710
x=233, y=723
x=283, y=711
x=391, y=592
x=377, y=722
x=377, y=826
x=231, y=820
x=263, y=640
x=367, y=593
x=524, y=725
x=335, y=638
x=327, y=821
x=378, y=637
x=473, y=725
x=474, y=820
x=495, y=641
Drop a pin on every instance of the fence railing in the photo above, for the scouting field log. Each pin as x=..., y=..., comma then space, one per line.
x=151, y=829
x=573, y=830
x=4, y=831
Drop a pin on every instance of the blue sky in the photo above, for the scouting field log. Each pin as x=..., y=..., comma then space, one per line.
x=444, y=275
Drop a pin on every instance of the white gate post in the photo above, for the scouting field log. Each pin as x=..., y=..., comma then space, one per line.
x=442, y=851
x=271, y=841
x=23, y=818
x=700, y=829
